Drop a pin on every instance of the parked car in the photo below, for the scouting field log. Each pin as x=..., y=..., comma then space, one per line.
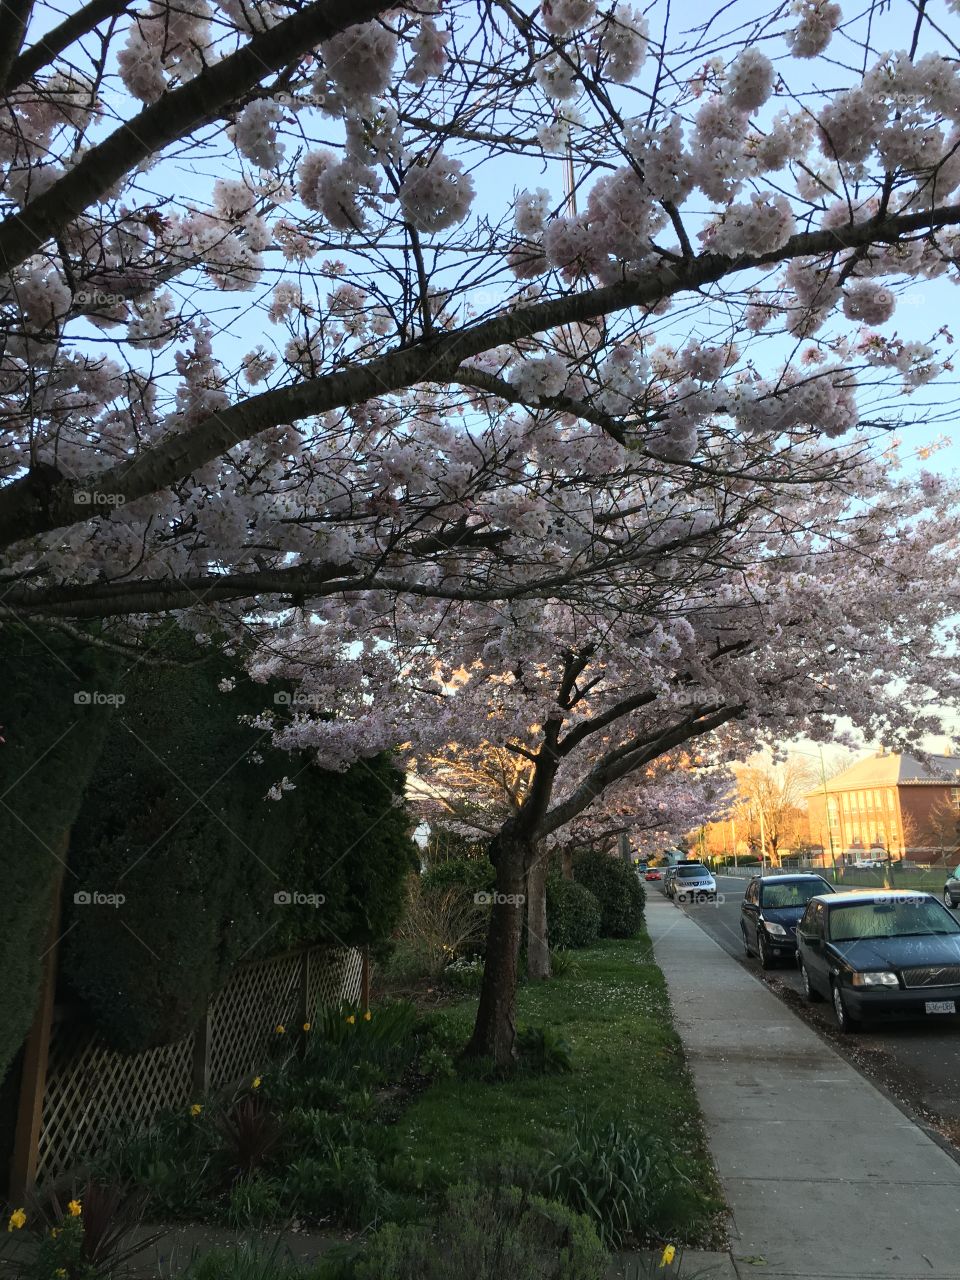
x=892, y=953
x=951, y=890
x=653, y=873
x=771, y=910
x=693, y=882
x=666, y=884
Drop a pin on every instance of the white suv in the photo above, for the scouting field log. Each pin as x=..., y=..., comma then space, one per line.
x=693, y=883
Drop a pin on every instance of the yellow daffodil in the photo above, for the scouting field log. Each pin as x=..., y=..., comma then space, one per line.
x=74, y=1208
x=54, y=1232
x=17, y=1220
x=196, y=1109
x=256, y=1082
x=367, y=1016
x=60, y=1272
x=668, y=1255
x=280, y=1028
x=351, y=1019
x=306, y=1026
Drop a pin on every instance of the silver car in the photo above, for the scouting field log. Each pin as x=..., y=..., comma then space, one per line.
x=693, y=882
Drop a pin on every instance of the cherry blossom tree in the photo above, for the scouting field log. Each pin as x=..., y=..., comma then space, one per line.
x=474, y=792
x=302, y=342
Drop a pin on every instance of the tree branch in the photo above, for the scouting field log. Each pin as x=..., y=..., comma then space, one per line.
x=173, y=117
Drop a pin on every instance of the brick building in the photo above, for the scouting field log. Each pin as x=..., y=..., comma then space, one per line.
x=890, y=802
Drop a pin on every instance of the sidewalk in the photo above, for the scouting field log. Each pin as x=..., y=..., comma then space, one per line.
x=824, y=1176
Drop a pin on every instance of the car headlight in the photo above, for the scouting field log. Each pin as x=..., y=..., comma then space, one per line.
x=775, y=930
x=879, y=978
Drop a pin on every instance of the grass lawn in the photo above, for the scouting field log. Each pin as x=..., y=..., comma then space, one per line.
x=627, y=1062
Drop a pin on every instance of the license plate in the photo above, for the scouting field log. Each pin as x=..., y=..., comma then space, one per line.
x=941, y=1006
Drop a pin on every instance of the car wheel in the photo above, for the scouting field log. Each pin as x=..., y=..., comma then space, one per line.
x=763, y=953
x=810, y=994
x=845, y=1023
x=746, y=944
x=948, y=900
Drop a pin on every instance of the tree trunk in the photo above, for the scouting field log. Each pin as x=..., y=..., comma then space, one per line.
x=538, y=949
x=566, y=863
x=495, y=1028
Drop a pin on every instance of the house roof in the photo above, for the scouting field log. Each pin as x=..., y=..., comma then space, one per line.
x=891, y=770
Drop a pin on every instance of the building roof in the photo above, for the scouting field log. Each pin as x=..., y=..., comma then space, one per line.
x=892, y=770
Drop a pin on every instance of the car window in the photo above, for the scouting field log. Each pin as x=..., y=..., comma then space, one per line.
x=694, y=872
x=792, y=894
x=897, y=919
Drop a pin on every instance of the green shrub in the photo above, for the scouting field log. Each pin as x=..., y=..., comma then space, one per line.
x=616, y=1174
x=573, y=914
x=616, y=887
x=487, y=1234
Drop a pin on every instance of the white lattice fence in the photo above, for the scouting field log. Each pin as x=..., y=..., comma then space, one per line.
x=91, y=1088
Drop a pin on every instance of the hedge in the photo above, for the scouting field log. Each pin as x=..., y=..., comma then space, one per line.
x=573, y=914
x=177, y=821
x=617, y=888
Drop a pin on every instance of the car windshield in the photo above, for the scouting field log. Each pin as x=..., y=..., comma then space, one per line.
x=692, y=872
x=908, y=917
x=795, y=893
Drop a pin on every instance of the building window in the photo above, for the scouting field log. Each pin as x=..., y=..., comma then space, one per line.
x=955, y=797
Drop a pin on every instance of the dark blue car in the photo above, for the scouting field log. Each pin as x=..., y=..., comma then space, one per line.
x=886, y=954
x=771, y=910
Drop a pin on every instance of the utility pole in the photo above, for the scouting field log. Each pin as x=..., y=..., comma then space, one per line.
x=733, y=836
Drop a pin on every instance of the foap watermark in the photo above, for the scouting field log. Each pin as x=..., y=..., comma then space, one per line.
x=294, y=898
x=97, y=298
x=499, y=899
x=93, y=498
x=97, y=698
x=94, y=898
x=298, y=699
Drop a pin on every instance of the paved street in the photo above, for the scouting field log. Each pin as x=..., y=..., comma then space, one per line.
x=824, y=1176
x=919, y=1062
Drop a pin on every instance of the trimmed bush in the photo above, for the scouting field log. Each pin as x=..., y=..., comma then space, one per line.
x=487, y=1234
x=573, y=914
x=616, y=887
x=51, y=739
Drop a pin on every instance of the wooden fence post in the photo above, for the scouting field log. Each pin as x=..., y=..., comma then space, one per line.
x=36, y=1053
x=200, y=1073
x=365, y=979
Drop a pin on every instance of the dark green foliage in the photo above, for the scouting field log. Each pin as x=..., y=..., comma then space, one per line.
x=474, y=875
x=573, y=914
x=542, y=1051
x=487, y=1234
x=50, y=744
x=177, y=820
x=614, y=1172
x=616, y=887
